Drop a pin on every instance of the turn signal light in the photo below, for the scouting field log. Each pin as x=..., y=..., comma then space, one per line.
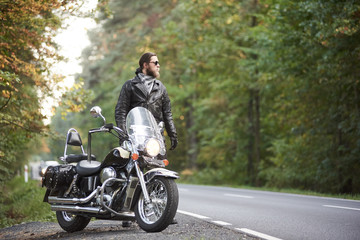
x=166, y=162
x=135, y=156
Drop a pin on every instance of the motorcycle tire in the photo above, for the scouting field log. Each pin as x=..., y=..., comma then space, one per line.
x=157, y=215
x=70, y=222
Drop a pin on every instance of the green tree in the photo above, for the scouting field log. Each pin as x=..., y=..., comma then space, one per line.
x=312, y=46
x=219, y=89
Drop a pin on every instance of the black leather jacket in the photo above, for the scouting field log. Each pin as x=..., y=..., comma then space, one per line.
x=134, y=94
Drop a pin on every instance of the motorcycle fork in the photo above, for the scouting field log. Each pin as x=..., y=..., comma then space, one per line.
x=142, y=182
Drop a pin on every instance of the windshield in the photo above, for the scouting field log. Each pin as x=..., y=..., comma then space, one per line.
x=141, y=126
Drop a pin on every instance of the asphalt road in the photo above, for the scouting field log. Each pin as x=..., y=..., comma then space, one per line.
x=226, y=213
x=272, y=215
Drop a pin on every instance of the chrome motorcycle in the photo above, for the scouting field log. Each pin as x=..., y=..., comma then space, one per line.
x=116, y=188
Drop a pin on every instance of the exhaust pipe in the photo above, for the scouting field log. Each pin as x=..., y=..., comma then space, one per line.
x=53, y=200
x=93, y=210
x=76, y=209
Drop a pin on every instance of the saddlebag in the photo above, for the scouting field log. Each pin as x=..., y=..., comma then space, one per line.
x=58, y=177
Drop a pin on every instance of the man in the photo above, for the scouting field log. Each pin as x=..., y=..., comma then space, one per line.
x=145, y=90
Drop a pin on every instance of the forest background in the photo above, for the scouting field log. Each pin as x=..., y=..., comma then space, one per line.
x=263, y=93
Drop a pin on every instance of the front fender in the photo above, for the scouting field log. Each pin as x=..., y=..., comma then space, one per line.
x=148, y=176
x=159, y=172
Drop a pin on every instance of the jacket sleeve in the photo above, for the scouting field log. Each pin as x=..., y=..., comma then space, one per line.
x=168, y=118
x=123, y=105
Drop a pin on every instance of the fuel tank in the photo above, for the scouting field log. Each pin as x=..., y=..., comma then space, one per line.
x=117, y=156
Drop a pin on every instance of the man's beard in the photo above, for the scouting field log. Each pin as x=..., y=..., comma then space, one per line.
x=154, y=74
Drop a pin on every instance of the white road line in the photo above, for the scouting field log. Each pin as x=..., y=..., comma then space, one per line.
x=257, y=234
x=236, y=195
x=221, y=223
x=192, y=214
x=348, y=208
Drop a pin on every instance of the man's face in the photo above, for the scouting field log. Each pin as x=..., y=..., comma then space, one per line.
x=153, y=67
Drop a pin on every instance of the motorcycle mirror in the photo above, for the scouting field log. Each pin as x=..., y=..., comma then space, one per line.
x=96, y=112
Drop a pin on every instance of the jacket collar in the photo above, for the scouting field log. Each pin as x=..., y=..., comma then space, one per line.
x=136, y=79
x=138, y=83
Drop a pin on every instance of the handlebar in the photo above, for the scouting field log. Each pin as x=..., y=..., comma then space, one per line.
x=121, y=132
x=108, y=127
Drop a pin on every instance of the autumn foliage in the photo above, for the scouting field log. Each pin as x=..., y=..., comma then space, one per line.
x=27, y=28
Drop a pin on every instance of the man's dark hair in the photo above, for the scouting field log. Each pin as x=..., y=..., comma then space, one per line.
x=145, y=58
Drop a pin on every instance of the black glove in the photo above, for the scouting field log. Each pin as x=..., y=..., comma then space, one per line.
x=174, y=143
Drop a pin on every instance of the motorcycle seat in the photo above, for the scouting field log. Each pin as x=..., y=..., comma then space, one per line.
x=74, y=158
x=85, y=168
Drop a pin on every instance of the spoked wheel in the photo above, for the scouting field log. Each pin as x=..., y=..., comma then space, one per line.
x=158, y=214
x=70, y=222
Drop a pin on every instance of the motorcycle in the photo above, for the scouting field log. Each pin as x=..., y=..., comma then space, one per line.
x=116, y=188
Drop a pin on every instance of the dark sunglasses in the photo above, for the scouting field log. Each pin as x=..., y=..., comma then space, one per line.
x=156, y=63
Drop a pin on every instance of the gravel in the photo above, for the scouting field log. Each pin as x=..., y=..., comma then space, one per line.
x=187, y=228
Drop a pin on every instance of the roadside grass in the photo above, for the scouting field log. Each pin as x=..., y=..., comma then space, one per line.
x=23, y=202
x=300, y=192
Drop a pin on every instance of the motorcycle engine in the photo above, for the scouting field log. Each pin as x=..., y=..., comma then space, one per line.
x=106, y=173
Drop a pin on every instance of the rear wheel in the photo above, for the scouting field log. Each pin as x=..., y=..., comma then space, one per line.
x=70, y=222
x=159, y=213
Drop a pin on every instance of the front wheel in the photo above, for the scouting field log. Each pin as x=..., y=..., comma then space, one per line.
x=164, y=199
x=70, y=222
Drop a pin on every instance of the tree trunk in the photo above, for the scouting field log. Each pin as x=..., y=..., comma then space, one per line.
x=253, y=146
x=191, y=139
x=257, y=134
x=250, y=146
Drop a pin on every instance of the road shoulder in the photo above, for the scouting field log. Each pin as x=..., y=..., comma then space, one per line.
x=187, y=228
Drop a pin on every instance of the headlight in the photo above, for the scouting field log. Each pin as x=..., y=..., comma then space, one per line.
x=152, y=147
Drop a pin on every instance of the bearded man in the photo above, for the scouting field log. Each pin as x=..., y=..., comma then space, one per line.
x=145, y=90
